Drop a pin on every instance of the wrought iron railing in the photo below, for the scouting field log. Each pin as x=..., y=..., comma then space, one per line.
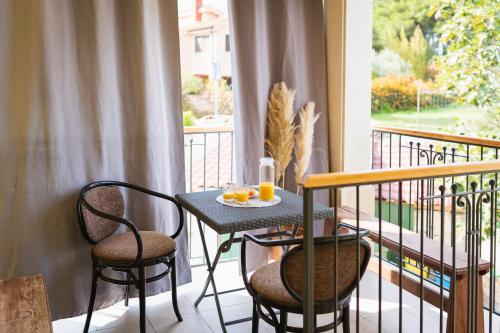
x=397, y=147
x=425, y=208
x=470, y=189
x=209, y=156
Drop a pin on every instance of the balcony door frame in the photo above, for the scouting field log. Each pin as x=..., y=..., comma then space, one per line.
x=349, y=48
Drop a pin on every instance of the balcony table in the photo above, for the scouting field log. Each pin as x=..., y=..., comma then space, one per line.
x=230, y=220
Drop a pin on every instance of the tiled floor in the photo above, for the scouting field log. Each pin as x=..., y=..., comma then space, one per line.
x=161, y=319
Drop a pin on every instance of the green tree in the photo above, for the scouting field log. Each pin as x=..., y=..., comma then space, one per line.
x=470, y=65
x=387, y=62
x=403, y=14
x=413, y=51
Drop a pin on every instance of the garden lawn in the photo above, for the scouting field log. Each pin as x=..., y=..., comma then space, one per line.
x=463, y=119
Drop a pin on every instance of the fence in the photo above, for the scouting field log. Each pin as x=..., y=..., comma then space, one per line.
x=464, y=269
x=425, y=199
x=209, y=157
x=432, y=99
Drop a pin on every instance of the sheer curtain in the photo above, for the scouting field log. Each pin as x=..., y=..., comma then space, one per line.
x=278, y=40
x=89, y=90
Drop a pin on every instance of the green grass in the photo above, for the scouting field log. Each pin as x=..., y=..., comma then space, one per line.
x=465, y=119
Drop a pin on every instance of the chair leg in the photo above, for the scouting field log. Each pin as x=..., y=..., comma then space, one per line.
x=92, y=298
x=142, y=299
x=345, y=318
x=283, y=321
x=255, y=318
x=127, y=289
x=173, y=282
x=274, y=319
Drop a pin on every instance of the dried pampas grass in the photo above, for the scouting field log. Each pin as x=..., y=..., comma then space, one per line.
x=304, y=140
x=280, y=127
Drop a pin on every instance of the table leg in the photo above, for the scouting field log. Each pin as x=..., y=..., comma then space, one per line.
x=224, y=247
x=211, y=276
x=295, y=230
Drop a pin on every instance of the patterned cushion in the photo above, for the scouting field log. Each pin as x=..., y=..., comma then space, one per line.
x=267, y=281
x=107, y=199
x=123, y=247
x=324, y=256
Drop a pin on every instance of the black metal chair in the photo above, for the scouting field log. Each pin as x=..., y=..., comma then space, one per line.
x=279, y=285
x=100, y=211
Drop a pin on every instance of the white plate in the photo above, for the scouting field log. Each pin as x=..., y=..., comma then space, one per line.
x=252, y=203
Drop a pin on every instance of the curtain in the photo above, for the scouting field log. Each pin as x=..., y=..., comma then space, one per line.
x=89, y=90
x=273, y=41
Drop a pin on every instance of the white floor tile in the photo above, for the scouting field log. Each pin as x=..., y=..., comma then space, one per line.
x=71, y=325
x=161, y=317
x=128, y=329
x=191, y=323
x=116, y=315
x=229, y=313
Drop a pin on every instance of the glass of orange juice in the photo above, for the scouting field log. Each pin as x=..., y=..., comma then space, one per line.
x=266, y=179
x=266, y=191
x=229, y=193
x=242, y=195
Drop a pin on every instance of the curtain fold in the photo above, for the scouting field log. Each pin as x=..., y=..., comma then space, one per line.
x=273, y=41
x=89, y=90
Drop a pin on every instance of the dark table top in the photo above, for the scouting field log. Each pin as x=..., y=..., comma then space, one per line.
x=225, y=219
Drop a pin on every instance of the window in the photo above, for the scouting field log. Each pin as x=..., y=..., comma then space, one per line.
x=228, y=47
x=201, y=43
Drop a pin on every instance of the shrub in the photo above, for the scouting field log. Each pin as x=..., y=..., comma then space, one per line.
x=188, y=118
x=394, y=92
x=192, y=85
x=387, y=62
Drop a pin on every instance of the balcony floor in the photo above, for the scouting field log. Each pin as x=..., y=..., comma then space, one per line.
x=161, y=319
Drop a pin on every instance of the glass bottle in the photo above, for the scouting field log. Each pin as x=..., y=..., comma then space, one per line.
x=266, y=179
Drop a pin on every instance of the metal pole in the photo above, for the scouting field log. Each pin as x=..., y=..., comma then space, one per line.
x=308, y=306
x=215, y=71
x=419, y=87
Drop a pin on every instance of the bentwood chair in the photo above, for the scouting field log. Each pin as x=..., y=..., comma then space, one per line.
x=100, y=211
x=279, y=285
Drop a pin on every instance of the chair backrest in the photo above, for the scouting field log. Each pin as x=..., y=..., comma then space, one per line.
x=107, y=199
x=292, y=268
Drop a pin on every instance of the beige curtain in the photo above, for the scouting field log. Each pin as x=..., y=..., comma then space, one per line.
x=279, y=40
x=89, y=90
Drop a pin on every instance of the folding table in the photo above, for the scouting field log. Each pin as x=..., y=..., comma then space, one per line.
x=230, y=220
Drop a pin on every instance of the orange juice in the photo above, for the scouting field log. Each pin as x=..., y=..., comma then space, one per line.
x=266, y=191
x=228, y=196
x=242, y=196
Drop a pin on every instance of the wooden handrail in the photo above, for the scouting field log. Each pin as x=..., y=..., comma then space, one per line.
x=208, y=129
x=341, y=179
x=490, y=143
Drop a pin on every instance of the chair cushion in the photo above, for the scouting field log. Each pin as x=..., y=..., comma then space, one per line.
x=107, y=199
x=266, y=281
x=123, y=247
x=324, y=254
